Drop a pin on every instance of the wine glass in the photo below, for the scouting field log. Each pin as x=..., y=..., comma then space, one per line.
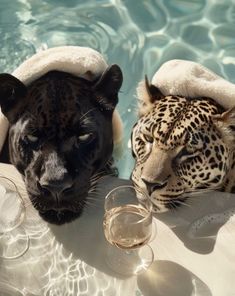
x=14, y=241
x=128, y=228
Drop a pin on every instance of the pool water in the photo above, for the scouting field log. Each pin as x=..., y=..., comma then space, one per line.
x=139, y=35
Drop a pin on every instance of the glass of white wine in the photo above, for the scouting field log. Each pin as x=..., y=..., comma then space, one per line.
x=128, y=228
x=14, y=241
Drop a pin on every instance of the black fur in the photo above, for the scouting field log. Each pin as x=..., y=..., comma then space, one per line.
x=60, y=137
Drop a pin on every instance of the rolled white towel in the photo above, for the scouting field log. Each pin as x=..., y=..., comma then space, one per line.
x=80, y=61
x=190, y=79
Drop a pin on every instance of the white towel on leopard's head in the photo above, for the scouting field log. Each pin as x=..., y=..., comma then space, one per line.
x=190, y=79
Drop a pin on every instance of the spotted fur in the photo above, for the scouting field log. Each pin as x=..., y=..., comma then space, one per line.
x=180, y=146
x=60, y=137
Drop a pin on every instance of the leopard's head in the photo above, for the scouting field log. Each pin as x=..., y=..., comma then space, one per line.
x=60, y=136
x=181, y=146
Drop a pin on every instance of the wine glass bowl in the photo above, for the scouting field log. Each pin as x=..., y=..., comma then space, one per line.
x=128, y=228
x=14, y=242
x=14, y=210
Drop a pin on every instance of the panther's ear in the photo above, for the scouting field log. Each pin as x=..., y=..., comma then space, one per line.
x=11, y=91
x=107, y=88
x=148, y=95
x=225, y=122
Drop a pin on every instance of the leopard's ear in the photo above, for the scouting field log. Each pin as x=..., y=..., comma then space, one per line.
x=107, y=87
x=225, y=122
x=11, y=92
x=147, y=94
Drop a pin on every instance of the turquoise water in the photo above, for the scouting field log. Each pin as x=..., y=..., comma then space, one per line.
x=137, y=35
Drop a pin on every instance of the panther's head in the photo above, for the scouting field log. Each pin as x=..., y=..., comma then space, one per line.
x=60, y=136
x=180, y=146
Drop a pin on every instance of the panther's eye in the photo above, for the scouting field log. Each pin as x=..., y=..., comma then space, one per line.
x=148, y=138
x=32, y=141
x=31, y=138
x=86, y=137
x=83, y=139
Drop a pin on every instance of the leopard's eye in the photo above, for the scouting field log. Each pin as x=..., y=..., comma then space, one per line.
x=187, y=154
x=184, y=152
x=148, y=138
x=188, y=150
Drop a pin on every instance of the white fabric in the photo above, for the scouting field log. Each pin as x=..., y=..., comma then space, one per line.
x=75, y=60
x=190, y=79
x=3, y=129
x=193, y=249
x=80, y=61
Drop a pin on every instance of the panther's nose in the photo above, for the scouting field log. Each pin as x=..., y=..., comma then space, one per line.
x=152, y=186
x=56, y=187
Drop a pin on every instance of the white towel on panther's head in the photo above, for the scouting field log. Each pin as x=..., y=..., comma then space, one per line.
x=190, y=79
x=80, y=61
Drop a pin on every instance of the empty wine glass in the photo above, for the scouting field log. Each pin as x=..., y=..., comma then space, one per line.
x=14, y=241
x=128, y=228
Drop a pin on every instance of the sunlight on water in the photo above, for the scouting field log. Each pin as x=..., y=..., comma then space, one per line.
x=54, y=264
x=55, y=271
x=138, y=35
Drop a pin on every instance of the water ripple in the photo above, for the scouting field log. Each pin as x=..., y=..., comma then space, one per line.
x=140, y=11
x=182, y=8
x=14, y=52
x=138, y=35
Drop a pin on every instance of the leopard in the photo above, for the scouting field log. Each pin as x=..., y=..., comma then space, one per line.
x=181, y=146
x=60, y=137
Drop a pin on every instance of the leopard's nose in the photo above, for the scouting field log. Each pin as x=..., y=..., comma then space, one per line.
x=152, y=186
x=56, y=187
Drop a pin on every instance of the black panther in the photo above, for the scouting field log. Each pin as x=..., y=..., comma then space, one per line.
x=60, y=137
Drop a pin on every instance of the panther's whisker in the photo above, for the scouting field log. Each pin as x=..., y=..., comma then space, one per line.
x=97, y=178
x=88, y=205
x=87, y=113
x=92, y=195
x=91, y=204
x=92, y=188
x=100, y=173
x=92, y=198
